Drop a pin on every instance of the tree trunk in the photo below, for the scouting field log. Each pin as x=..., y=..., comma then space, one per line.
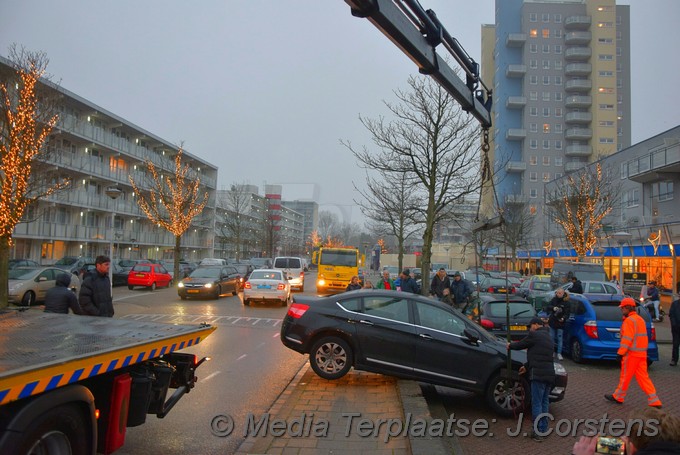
x=4, y=272
x=178, y=242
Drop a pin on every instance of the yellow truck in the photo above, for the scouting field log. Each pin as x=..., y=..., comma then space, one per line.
x=336, y=267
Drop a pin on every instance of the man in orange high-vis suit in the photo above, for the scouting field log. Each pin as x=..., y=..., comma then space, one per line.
x=633, y=356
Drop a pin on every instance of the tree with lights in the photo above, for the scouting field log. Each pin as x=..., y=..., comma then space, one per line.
x=579, y=202
x=27, y=121
x=172, y=201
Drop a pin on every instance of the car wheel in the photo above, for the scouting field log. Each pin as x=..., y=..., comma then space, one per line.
x=130, y=287
x=331, y=357
x=57, y=431
x=153, y=286
x=507, y=399
x=576, y=351
x=183, y=297
x=218, y=293
x=246, y=302
x=28, y=299
x=235, y=291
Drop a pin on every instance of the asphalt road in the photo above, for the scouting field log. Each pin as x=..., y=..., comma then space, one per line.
x=249, y=369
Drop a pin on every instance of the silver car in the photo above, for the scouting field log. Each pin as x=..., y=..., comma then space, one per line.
x=28, y=285
x=266, y=284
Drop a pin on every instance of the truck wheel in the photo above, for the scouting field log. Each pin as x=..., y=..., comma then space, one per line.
x=28, y=299
x=246, y=302
x=507, y=399
x=58, y=431
x=331, y=357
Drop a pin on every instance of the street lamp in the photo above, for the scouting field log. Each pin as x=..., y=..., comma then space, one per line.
x=621, y=238
x=113, y=192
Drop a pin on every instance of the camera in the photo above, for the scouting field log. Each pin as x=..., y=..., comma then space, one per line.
x=610, y=445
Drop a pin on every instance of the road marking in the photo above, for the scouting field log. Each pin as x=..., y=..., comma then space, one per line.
x=276, y=335
x=242, y=357
x=210, y=376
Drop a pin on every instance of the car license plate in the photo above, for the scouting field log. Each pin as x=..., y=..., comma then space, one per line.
x=139, y=275
x=517, y=327
x=193, y=291
x=263, y=286
x=501, y=291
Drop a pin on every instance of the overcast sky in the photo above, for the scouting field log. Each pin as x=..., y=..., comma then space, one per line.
x=265, y=89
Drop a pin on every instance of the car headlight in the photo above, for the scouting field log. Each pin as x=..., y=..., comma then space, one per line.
x=180, y=285
x=322, y=282
x=208, y=285
x=560, y=370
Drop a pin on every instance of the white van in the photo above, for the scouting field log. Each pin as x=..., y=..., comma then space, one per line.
x=293, y=268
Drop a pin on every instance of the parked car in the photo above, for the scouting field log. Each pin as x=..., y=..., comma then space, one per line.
x=563, y=271
x=244, y=270
x=13, y=263
x=185, y=268
x=407, y=336
x=393, y=270
x=148, y=275
x=212, y=261
x=545, y=278
x=209, y=281
x=293, y=269
x=594, y=290
x=533, y=288
x=127, y=264
x=261, y=263
x=493, y=317
x=593, y=330
x=119, y=276
x=496, y=286
x=28, y=285
x=266, y=285
x=73, y=264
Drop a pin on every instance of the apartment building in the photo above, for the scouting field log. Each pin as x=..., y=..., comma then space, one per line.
x=561, y=78
x=98, y=150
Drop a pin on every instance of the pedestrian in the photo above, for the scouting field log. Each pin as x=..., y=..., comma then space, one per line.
x=674, y=316
x=558, y=312
x=408, y=284
x=540, y=371
x=353, y=284
x=386, y=282
x=368, y=284
x=576, y=286
x=95, y=292
x=440, y=286
x=460, y=290
x=526, y=271
x=632, y=354
x=654, y=298
x=60, y=298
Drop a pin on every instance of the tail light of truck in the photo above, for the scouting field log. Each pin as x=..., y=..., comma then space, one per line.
x=296, y=310
x=590, y=328
x=280, y=287
x=247, y=285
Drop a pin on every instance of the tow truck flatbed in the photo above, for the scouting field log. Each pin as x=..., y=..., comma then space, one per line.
x=43, y=351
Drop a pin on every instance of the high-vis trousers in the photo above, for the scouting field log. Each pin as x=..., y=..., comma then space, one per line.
x=636, y=366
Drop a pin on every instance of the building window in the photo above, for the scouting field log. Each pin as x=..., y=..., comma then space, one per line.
x=546, y=176
x=605, y=57
x=558, y=48
x=546, y=64
x=546, y=112
x=533, y=17
x=606, y=140
x=546, y=33
x=546, y=80
x=533, y=128
x=558, y=162
x=533, y=64
x=533, y=96
x=605, y=41
x=605, y=24
x=631, y=198
x=533, y=33
x=533, y=48
x=558, y=96
x=607, y=107
x=533, y=160
x=533, y=79
x=546, y=96
x=546, y=127
x=618, y=52
x=606, y=123
x=533, y=176
x=557, y=18
x=558, y=175
x=546, y=146
x=663, y=191
x=558, y=145
x=533, y=144
x=558, y=65
x=606, y=90
x=545, y=17
x=558, y=126
x=546, y=160
x=546, y=48
x=558, y=33
x=606, y=73
x=558, y=80
x=533, y=193
x=558, y=112
x=533, y=111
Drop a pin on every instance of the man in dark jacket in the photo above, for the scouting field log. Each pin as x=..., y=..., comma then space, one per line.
x=408, y=284
x=460, y=290
x=440, y=285
x=576, y=286
x=95, y=292
x=558, y=312
x=540, y=371
x=60, y=298
x=674, y=316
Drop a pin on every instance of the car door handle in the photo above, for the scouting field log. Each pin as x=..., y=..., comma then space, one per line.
x=364, y=321
x=425, y=335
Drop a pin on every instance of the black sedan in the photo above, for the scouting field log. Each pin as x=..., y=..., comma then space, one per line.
x=494, y=317
x=209, y=281
x=119, y=275
x=407, y=336
x=496, y=286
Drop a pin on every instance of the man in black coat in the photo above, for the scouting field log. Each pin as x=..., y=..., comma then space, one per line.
x=60, y=298
x=408, y=284
x=440, y=285
x=95, y=292
x=674, y=316
x=558, y=310
x=576, y=286
x=540, y=371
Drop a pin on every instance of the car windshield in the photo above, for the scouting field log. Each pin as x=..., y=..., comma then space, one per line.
x=260, y=275
x=542, y=286
x=339, y=258
x=66, y=261
x=21, y=274
x=497, y=309
x=205, y=273
x=141, y=268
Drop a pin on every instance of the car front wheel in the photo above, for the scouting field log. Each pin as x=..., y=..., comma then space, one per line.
x=331, y=357
x=28, y=299
x=507, y=398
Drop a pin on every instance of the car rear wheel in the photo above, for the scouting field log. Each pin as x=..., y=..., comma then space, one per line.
x=153, y=286
x=130, y=287
x=331, y=358
x=507, y=398
x=28, y=299
x=576, y=351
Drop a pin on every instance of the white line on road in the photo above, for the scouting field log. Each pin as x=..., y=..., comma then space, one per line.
x=210, y=376
x=243, y=356
x=276, y=335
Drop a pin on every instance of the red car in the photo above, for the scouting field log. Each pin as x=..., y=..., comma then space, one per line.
x=149, y=275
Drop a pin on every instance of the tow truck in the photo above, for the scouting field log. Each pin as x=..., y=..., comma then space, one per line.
x=73, y=384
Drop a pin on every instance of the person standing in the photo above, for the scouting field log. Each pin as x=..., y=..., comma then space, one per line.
x=558, y=313
x=460, y=290
x=674, y=316
x=633, y=356
x=386, y=282
x=95, y=292
x=440, y=285
x=540, y=371
x=654, y=298
x=353, y=284
x=60, y=298
x=576, y=286
x=408, y=284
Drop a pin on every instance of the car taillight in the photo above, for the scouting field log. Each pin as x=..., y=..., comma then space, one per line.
x=653, y=336
x=281, y=287
x=296, y=310
x=590, y=328
x=247, y=285
x=486, y=323
x=490, y=290
x=302, y=274
x=512, y=289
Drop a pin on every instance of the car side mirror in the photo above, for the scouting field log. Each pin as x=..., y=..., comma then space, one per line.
x=472, y=335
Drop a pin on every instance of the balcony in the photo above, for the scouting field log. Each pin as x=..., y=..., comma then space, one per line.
x=516, y=199
x=515, y=166
x=577, y=22
x=572, y=38
x=578, y=53
x=578, y=117
x=574, y=166
x=578, y=101
x=516, y=134
x=656, y=165
x=516, y=39
x=579, y=134
x=578, y=150
x=578, y=69
x=516, y=102
x=516, y=71
x=578, y=85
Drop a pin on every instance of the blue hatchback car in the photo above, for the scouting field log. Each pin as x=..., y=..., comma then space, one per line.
x=593, y=330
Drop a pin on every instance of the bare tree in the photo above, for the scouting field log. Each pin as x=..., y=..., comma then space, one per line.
x=236, y=223
x=579, y=202
x=172, y=201
x=433, y=143
x=517, y=227
x=25, y=125
x=329, y=225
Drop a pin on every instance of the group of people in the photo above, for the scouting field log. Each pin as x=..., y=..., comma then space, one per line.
x=94, y=299
x=455, y=293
